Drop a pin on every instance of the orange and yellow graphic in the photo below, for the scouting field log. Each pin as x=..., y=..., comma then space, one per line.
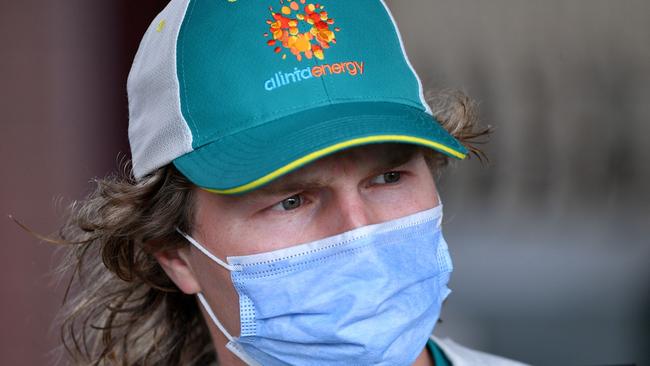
x=285, y=29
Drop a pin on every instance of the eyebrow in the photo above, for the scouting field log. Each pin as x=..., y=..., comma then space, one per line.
x=401, y=157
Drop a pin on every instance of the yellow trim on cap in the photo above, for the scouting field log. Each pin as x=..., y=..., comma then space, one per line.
x=341, y=145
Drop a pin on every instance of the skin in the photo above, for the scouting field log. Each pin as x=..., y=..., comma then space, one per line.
x=353, y=188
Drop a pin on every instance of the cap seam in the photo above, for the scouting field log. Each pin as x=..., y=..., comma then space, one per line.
x=181, y=34
x=423, y=100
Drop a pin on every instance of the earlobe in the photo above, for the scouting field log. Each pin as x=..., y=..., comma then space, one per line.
x=175, y=262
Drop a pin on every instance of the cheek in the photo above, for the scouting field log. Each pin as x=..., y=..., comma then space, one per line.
x=211, y=275
x=418, y=194
x=258, y=235
x=405, y=203
x=425, y=192
x=216, y=285
x=427, y=196
x=272, y=234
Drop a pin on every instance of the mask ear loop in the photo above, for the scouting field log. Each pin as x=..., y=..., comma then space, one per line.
x=207, y=253
x=216, y=321
x=232, y=345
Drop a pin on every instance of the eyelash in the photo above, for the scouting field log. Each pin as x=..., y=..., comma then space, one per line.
x=281, y=207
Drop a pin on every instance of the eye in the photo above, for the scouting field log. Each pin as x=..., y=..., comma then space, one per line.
x=288, y=204
x=387, y=178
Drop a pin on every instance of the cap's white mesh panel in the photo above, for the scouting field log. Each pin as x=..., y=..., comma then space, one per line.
x=158, y=132
x=408, y=62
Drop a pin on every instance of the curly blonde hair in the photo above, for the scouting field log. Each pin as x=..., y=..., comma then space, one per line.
x=120, y=307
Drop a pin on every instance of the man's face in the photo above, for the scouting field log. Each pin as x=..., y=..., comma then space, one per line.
x=357, y=187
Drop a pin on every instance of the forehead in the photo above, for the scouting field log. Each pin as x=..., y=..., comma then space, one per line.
x=363, y=156
x=356, y=163
x=361, y=159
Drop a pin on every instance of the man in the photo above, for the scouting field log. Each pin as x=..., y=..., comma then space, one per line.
x=283, y=160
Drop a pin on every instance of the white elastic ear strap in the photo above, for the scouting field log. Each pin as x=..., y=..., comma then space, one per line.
x=216, y=321
x=232, y=345
x=207, y=253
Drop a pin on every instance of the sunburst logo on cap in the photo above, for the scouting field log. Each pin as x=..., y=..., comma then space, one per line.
x=301, y=28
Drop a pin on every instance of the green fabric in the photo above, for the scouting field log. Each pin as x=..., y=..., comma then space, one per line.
x=438, y=356
x=224, y=63
x=255, y=110
x=248, y=155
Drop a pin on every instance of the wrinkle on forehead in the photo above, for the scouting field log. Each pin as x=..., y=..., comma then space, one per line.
x=319, y=173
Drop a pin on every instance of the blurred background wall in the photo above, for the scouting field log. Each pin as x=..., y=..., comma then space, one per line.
x=550, y=241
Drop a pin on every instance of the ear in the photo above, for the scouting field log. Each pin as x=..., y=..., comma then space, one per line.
x=175, y=262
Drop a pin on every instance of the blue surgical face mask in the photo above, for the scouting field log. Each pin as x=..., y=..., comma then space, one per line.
x=369, y=296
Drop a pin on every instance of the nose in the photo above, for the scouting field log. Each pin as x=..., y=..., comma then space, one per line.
x=352, y=211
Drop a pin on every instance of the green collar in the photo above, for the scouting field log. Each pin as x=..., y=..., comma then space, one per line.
x=438, y=356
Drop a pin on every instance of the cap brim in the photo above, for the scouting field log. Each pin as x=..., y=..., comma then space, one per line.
x=254, y=157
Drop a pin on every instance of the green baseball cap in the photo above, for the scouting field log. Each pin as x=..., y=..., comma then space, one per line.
x=239, y=93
